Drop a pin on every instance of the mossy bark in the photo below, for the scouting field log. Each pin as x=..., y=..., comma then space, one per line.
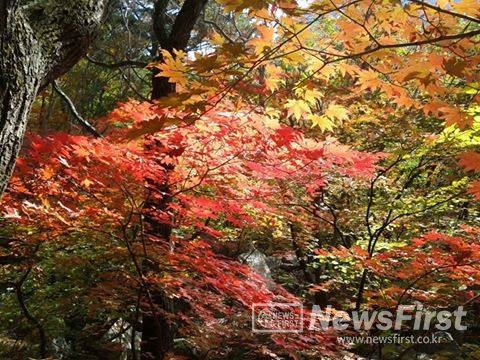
x=40, y=40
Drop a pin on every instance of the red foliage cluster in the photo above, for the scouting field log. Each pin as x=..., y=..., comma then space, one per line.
x=225, y=167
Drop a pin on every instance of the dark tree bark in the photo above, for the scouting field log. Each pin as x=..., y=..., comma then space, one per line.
x=177, y=39
x=158, y=331
x=39, y=41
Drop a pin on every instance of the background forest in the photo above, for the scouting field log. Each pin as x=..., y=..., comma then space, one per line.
x=207, y=155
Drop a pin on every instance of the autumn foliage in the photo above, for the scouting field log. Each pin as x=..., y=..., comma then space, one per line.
x=341, y=138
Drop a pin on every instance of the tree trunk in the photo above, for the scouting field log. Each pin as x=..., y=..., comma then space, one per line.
x=158, y=331
x=39, y=42
x=177, y=39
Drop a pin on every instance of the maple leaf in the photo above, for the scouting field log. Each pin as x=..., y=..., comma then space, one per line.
x=86, y=183
x=323, y=122
x=239, y=5
x=150, y=127
x=470, y=160
x=466, y=6
x=454, y=115
x=335, y=111
x=454, y=67
x=285, y=135
x=434, y=107
x=368, y=80
x=272, y=78
x=297, y=108
x=47, y=173
x=264, y=42
x=173, y=67
x=475, y=189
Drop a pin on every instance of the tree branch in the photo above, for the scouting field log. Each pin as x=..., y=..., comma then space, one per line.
x=219, y=29
x=29, y=316
x=80, y=120
x=435, y=40
x=120, y=64
x=11, y=259
x=445, y=11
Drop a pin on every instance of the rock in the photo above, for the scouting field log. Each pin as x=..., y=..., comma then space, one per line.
x=258, y=262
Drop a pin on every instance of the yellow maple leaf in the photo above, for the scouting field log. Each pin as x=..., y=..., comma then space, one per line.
x=265, y=40
x=469, y=7
x=239, y=5
x=443, y=3
x=272, y=77
x=86, y=183
x=173, y=67
x=47, y=173
x=309, y=95
x=368, y=80
x=335, y=111
x=297, y=108
x=323, y=122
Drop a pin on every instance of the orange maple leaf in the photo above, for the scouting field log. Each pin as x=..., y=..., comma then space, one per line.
x=470, y=160
x=475, y=189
